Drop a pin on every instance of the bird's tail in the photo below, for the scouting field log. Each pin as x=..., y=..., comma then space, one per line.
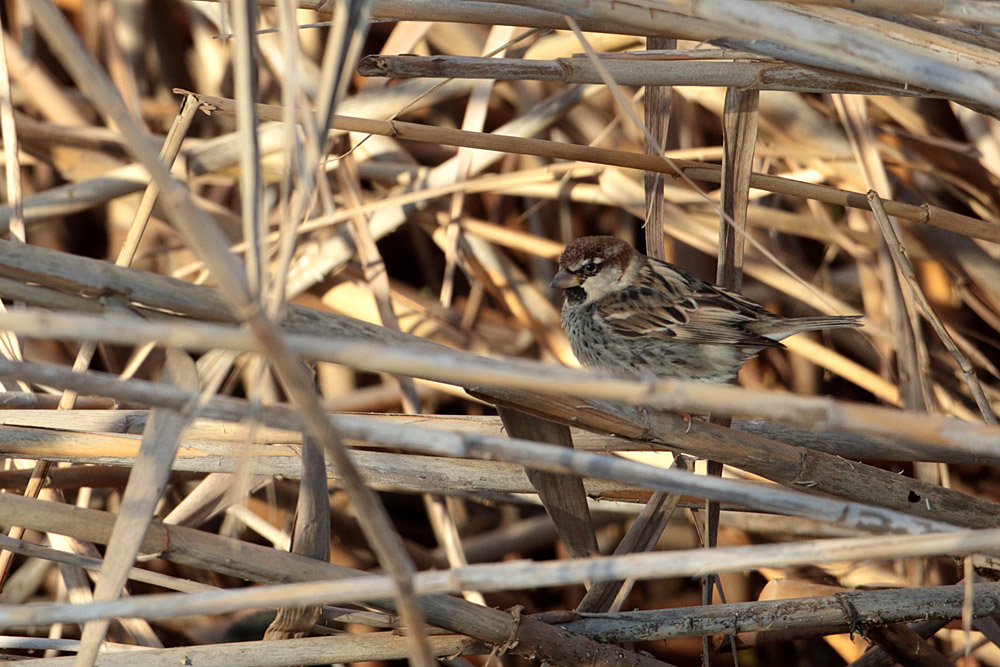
x=796, y=325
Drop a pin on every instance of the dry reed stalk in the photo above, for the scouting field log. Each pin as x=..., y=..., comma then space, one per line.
x=171, y=148
x=257, y=563
x=501, y=576
x=563, y=496
x=146, y=485
x=586, y=464
x=746, y=75
x=903, y=262
x=203, y=234
x=452, y=367
x=844, y=611
x=693, y=170
x=345, y=647
x=133, y=421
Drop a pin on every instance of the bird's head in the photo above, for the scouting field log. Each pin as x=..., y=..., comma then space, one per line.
x=593, y=266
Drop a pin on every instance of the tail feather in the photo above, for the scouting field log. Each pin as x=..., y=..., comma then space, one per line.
x=787, y=327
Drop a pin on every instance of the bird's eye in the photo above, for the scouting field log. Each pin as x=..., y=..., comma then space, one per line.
x=590, y=268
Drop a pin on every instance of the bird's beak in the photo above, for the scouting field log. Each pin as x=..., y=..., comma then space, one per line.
x=564, y=279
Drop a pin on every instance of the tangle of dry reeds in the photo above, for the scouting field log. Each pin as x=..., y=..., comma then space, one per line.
x=283, y=381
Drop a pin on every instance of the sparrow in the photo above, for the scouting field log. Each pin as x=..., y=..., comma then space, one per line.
x=630, y=314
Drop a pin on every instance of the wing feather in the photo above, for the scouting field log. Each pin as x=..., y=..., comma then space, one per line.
x=673, y=305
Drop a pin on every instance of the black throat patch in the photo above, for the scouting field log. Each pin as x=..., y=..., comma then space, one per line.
x=575, y=295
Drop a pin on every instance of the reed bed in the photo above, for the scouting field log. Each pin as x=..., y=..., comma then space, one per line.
x=284, y=383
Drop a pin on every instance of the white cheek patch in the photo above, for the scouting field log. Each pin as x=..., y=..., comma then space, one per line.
x=601, y=285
